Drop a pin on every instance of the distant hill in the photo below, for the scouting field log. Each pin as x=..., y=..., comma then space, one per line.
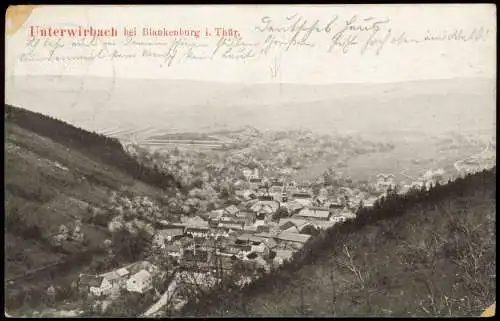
x=425, y=253
x=148, y=107
x=57, y=174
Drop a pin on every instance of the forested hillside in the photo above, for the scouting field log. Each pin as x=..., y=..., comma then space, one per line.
x=425, y=253
x=59, y=190
x=99, y=147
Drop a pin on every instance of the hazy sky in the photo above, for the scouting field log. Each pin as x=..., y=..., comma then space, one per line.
x=426, y=60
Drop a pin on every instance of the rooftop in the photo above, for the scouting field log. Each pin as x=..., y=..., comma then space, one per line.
x=231, y=209
x=142, y=275
x=270, y=243
x=313, y=212
x=295, y=221
x=196, y=222
x=294, y=237
x=251, y=238
x=230, y=226
x=122, y=272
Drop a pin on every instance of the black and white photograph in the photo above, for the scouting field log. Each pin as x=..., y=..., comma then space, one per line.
x=175, y=161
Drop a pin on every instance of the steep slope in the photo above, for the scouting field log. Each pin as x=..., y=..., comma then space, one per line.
x=56, y=174
x=427, y=253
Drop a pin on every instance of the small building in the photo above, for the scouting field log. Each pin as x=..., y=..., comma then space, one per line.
x=245, y=214
x=250, y=229
x=293, y=237
x=96, y=285
x=140, y=282
x=315, y=213
x=270, y=243
x=215, y=214
x=231, y=226
x=304, y=202
x=348, y=214
x=231, y=210
x=198, y=231
x=246, y=195
x=294, y=207
x=384, y=181
x=228, y=251
x=302, y=195
x=369, y=202
x=286, y=223
x=335, y=205
x=238, y=249
x=260, y=249
x=266, y=207
x=249, y=195
x=122, y=272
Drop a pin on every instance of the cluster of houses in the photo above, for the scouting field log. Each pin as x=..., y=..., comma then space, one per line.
x=251, y=232
x=64, y=234
x=274, y=220
x=136, y=277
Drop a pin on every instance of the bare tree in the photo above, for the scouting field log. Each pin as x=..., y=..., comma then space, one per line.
x=361, y=276
x=348, y=263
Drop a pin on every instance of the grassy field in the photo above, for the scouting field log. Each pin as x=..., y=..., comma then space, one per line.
x=413, y=154
x=414, y=157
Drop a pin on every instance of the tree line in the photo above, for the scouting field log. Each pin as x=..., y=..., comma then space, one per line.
x=108, y=150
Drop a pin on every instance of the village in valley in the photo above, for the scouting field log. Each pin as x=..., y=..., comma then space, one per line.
x=242, y=217
x=312, y=161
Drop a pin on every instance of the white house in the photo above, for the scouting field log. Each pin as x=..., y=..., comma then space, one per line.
x=140, y=282
x=116, y=278
x=102, y=287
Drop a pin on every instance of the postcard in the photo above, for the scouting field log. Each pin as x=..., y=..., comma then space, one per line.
x=250, y=160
